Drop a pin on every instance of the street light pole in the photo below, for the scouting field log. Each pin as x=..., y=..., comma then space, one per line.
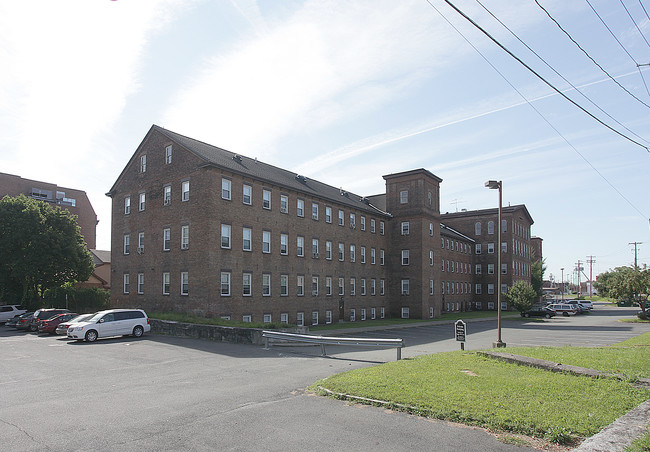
x=493, y=184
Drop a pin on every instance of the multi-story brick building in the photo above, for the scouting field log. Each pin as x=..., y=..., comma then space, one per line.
x=76, y=201
x=202, y=230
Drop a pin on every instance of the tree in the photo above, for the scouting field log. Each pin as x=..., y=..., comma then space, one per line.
x=42, y=248
x=537, y=270
x=521, y=296
x=625, y=283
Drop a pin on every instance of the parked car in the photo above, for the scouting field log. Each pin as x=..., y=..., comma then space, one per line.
x=564, y=308
x=113, y=322
x=9, y=311
x=578, y=304
x=24, y=321
x=11, y=323
x=44, y=314
x=539, y=311
x=49, y=325
x=584, y=303
x=62, y=328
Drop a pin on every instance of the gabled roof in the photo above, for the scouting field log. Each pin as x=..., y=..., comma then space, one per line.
x=100, y=257
x=446, y=230
x=489, y=212
x=253, y=168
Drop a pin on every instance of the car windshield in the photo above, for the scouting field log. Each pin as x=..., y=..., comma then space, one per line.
x=96, y=316
x=80, y=318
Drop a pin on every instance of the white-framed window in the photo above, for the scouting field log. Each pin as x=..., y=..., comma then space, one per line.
x=403, y=196
x=362, y=219
x=405, y=312
x=328, y=214
x=353, y=286
x=167, y=239
x=353, y=220
x=247, y=194
x=247, y=239
x=490, y=227
x=185, y=283
x=284, y=244
x=372, y=225
x=314, y=317
x=382, y=312
x=266, y=242
x=477, y=248
x=341, y=286
x=341, y=218
x=225, y=284
x=267, y=318
x=363, y=254
x=353, y=315
x=373, y=286
x=328, y=250
x=504, y=247
x=284, y=285
x=373, y=313
x=431, y=287
x=284, y=204
x=504, y=289
x=300, y=285
x=185, y=190
x=490, y=269
x=504, y=269
x=491, y=248
x=406, y=284
x=185, y=237
x=266, y=284
x=226, y=188
x=363, y=286
x=247, y=318
x=431, y=229
x=314, y=211
x=382, y=228
x=382, y=259
x=226, y=230
x=314, y=285
x=127, y=205
x=328, y=317
x=284, y=317
x=300, y=246
x=300, y=207
x=406, y=226
x=373, y=253
x=478, y=269
x=167, y=195
x=341, y=251
x=140, y=283
x=168, y=154
x=300, y=318
x=490, y=289
x=504, y=225
x=266, y=199
x=478, y=289
x=140, y=242
x=314, y=248
x=126, y=283
x=353, y=253
x=477, y=228
x=142, y=201
x=165, y=283
x=247, y=284
x=431, y=258
x=127, y=243
x=328, y=286
x=405, y=257
x=363, y=314
x=143, y=163
x=490, y=305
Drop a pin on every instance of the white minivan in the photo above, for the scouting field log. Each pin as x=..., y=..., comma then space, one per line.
x=113, y=322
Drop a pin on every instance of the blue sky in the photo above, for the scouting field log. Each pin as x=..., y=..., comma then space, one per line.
x=345, y=92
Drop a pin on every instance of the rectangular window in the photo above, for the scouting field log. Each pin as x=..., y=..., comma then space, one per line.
x=140, y=283
x=372, y=256
x=300, y=285
x=504, y=225
x=185, y=189
x=266, y=241
x=363, y=313
x=490, y=227
x=353, y=315
x=372, y=225
x=314, y=317
x=353, y=286
x=165, y=283
x=382, y=228
x=284, y=244
x=126, y=283
x=478, y=269
x=328, y=214
x=382, y=259
x=185, y=237
x=284, y=204
x=478, y=248
x=247, y=239
x=353, y=253
x=314, y=285
x=266, y=284
x=341, y=251
x=431, y=229
x=504, y=247
x=168, y=154
x=267, y=318
x=247, y=194
x=382, y=312
x=247, y=281
x=328, y=250
x=143, y=163
x=167, y=239
x=431, y=287
x=300, y=207
x=266, y=199
x=140, y=242
x=142, y=202
x=403, y=196
x=300, y=318
x=341, y=218
x=284, y=317
x=314, y=248
x=373, y=286
x=431, y=257
x=490, y=269
x=341, y=286
x=328, y=317
x=363, y=254
x=504, y=269
x=405, y=287
x=247, y=318
x=127, y=205
x=300, y=246
x=167, y=195
x=491, y=248
x=405, y=227
x=353, y=221
x=405, y=257
x=284, y=285
x=226, y=188
x=185, y=283
x=314, y=211
x=478, y=289
x=363, y=286
x=405, y=312
x=490, y=289
x=127, y=243
x=328, y=286
x=363, y=223
x=225, y=284
x=504, y=289
x=373, y=313
x=225, y=236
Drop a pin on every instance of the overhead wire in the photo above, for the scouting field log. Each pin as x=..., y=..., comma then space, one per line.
x=558, y=73
x=634, y=22
x=528, y=102
x=589, y=56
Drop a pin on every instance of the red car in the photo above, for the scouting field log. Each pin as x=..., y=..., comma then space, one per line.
x=49, y=325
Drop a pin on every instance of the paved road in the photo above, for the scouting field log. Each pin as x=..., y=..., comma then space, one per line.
x=164, y=393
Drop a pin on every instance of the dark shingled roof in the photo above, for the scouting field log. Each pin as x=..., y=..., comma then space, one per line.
x=256, y=169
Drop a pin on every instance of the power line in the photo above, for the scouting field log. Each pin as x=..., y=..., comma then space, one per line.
x=587, y=54
x=560, y=75
x=634, y=22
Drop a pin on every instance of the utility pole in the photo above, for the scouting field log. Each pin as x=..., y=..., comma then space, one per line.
x=591, y=261
x=578, y=270
x=635, y=250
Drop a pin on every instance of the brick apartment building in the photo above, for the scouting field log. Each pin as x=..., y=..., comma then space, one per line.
x=75, y=201
x=202, y=230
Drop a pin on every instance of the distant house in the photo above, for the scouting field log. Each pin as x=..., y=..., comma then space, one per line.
x=101, y=276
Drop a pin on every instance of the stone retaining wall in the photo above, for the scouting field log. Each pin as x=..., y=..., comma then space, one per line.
x=211, y=332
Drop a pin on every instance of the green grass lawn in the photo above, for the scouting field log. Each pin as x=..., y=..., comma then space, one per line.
x=466, y=387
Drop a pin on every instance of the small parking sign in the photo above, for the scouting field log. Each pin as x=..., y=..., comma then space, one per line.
x=460, y=331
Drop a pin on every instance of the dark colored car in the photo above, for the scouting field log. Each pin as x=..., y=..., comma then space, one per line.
x=12, y=322
x=44, y=314
x=644, y=315
x=24, y=321
x=49, y=325
x=539, y=311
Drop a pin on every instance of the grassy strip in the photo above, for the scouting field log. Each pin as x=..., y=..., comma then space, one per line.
x=465, y=387
x=186, y=318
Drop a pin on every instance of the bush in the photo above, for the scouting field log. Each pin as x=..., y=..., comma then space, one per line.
x=81, y=300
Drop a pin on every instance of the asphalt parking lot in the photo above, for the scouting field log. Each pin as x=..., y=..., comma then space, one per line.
x=166, y=393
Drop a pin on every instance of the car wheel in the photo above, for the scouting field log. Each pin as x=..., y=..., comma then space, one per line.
x=33, y=328
x=91, y=336
x=565, y=314
x=526, y=315
x=138, y=331
x=548, y=316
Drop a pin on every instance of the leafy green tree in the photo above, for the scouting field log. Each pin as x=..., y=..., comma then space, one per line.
x=625, y=283
x=42, y=248
x=537, y=270
x=521, y=296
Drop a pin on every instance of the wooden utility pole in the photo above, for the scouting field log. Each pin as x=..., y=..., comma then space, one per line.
x=635, y=250
x=591, y=261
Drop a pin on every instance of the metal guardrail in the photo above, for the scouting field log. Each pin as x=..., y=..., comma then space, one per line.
x=327, y=340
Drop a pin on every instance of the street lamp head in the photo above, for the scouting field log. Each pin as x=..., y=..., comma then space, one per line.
x=493, y=184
